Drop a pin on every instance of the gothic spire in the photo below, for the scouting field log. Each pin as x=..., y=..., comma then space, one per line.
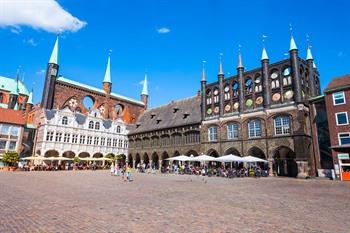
x=107, y=78
x=221, y=71
x=54, y=54
x=203, y=71
x=145, y=86
x=292, y=45
x=240, y=62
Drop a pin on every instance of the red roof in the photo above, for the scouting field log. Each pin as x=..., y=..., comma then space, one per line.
x=339, y=82
x=12, y=116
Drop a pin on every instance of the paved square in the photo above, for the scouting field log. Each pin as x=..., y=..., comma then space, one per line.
x=87, y=201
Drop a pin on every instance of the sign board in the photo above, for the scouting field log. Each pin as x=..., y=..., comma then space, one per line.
x=343, y=156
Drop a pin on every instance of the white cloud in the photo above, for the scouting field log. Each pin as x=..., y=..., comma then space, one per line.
x=163, y=30
x=15, y=30
x=30, y=42
x=46, y=15
x=40, y=72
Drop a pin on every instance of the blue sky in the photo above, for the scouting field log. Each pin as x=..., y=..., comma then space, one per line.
x=198, y=30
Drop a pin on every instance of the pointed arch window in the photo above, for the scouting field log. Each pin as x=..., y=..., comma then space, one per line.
x=209, y=100
x=227, y=95
x=216, y=95
x=275, y=82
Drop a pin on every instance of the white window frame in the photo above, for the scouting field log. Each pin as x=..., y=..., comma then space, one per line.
x=333, y=95
x=213, y=138
x=255, y=129
x=282, y=126
x=347, y=119
x=233, y=131
x=339, y=141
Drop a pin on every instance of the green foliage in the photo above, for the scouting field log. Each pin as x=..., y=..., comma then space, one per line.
x=11, y=158
x=76, y=160
x=110, y=156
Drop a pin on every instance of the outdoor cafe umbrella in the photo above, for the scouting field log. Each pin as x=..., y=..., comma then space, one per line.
x=252, y=159
x=34, y=158
x=203, y=158
x=180, y=158
x=229, y=158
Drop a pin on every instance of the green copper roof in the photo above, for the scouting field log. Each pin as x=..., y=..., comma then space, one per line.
x=293, y=45
x=75, y=83
x=309, y=54
x=145, y=86
x=10, y=85
x=54, y=54
x=3, y=105
x=107, y=78
x=30, y=98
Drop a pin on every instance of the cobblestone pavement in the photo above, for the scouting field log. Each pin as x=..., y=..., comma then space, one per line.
x=87, y=201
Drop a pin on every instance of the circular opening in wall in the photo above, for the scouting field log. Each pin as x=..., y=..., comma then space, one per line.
x=88, y=102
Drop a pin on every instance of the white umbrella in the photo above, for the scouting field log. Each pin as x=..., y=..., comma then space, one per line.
x=180, y=158
x=229, y=158
x=34, y=158
x=252, y=159
x=203, y=158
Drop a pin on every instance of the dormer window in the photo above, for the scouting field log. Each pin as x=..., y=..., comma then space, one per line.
x=158, y=121
x=65, y=120
x=186, y=115
x=175, y=110
x=137, y=126
x=153, y=115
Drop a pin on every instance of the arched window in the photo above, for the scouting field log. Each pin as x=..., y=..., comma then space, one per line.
x=212, y=134
x=91, y=125
x=97, y=125
x=64, y=120
x=1, y=97
x=254, y=128
x=232, y=131
x=282, y=125
x=118, y=129
x=216, y=95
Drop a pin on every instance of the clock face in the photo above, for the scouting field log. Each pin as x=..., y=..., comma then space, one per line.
x=73, y=102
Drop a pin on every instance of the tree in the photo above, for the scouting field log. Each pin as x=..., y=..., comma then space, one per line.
x=11, y=158
x=76, y=160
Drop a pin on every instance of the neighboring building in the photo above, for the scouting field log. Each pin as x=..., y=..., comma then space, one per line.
x=166, y=131
x=69, y=126
x=262, y=112
x=337, y=100
x=16, y=132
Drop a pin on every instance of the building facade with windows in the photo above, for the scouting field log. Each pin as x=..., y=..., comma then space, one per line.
x=78, y=120
x=64, y=133
x=166, y=131
x=16, y=104
x=264, y=113
x=337, y=101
